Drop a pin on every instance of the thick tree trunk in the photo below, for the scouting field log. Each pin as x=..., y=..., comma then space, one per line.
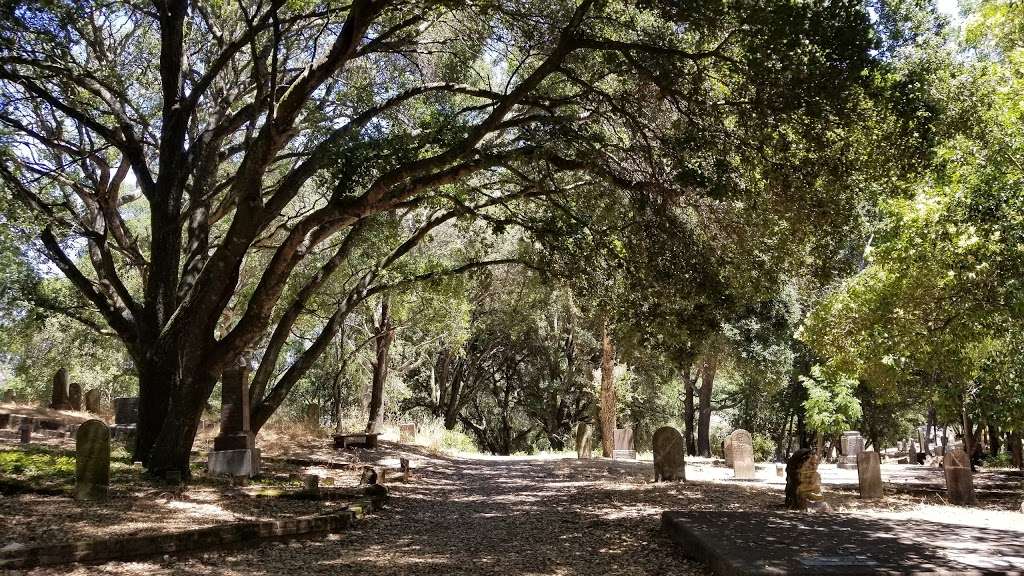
x=173, y=445
x=1017, y=450
x=385, y=335
x=994, y=441
x=451, y=409
x=609, y=404
x=688, y=412
x=157, y=378
x=704, y=406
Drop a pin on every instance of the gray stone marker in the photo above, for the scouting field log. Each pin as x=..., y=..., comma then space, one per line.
x=584, y=440
x=407, y=433
x=669, y=455
x=92, y=401
x=75, y=395
x=869, y=475
x=92, y=460
x=742, y=455
x=234, y=449
x=25, y=430
x=959, y=479
x=59, y=392
x=624, y=449
x=746, y=543
x=853, y=444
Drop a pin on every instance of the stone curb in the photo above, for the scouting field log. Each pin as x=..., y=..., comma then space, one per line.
x=213, y=537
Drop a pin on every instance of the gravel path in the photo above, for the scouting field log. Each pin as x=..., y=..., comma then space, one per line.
x=490, y=516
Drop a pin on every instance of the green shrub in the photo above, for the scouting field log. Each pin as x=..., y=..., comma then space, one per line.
x=1000, y=460
x=764, y=447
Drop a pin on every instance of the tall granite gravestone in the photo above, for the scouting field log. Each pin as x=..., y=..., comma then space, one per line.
x=853, y=444
x=92, y=460
x=406, y=433
x=727, y=450
x=959, y=480
x=59, y=393
x=92, y=401
x=742, y=455
x=75, y=395
x=669, y=455
x=624, y=448
x=869, y=475
x=803, y=483
x=234, y=449
x=584, y=440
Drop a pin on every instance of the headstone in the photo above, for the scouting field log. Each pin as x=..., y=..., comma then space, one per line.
x=912, y=452
x=75, y=395
x=669, y=455
x=869, y=475
x=92, y=401
x=727, y=450
x=25, y=430
x=803, y=483
x=624, y=448
x=8, y=396
x=234, y=449
x=406, y=469
x=406, y=433
x=59, y=393
x=92, y=460
x=310, y=483
x=126, y=411
x=742, y=455
x=584, y=440
x=853, y=444
x=959, y=480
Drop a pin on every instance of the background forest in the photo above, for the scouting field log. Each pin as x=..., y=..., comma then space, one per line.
x=804, y=233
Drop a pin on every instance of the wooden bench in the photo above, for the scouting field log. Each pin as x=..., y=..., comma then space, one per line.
x=361, y=439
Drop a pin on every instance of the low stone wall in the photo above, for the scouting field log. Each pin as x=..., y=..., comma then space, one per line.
x=213, y=537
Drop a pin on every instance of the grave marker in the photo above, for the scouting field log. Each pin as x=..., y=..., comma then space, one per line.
x=584, y=440
x=234, y=449
x=853, y=444
x=869, y=475
x=92, y=401
x=407, y=433
x=75, y=395
x=959, y=479
x=624, y=447
x=92, y=460
x=59, y=392
x=669, y=455
x=742, y=455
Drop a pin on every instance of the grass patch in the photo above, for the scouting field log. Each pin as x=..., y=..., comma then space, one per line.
x=48, y=471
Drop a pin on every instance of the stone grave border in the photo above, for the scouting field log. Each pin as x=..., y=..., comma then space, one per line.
x=210, y=538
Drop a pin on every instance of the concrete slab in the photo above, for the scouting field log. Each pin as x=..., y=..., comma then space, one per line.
x=778, y=543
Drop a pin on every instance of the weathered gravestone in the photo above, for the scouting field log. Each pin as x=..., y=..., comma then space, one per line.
x=92, y=401
x=234, y=449
x=406, y=433
x=727, y=450
x=742, y=455
x=25, y=430
x=59, y=393
x=92, y=460
x=126, y=411
x=75, y=395
x=853, y=444
x=669, y=455
x=959, y=480
x=803, y=483
x=869, y=475
x=584, y=440
x=624, y=449
x=912, y=453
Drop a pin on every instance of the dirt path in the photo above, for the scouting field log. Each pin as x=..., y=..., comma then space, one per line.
x=489, y=516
